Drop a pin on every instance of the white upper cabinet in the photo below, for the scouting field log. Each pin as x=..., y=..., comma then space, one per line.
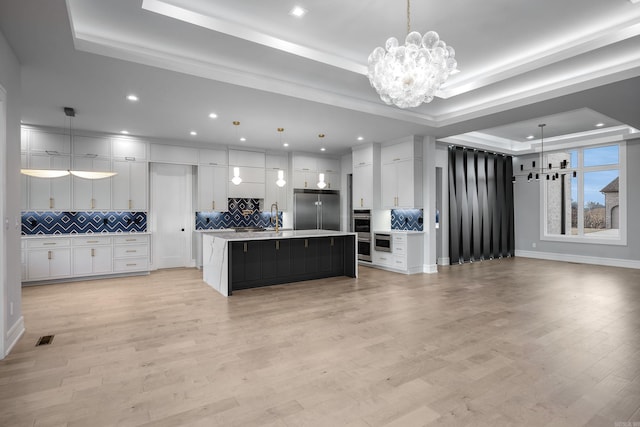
x=128, y=149
x=47, y=142
x=251, y=166
x=91, y=147
x=212, y=188
x=307, y=170
x=366, y=177
x=173, y=154
x=129, y=185
x=91, y=194
x=402, y=175
x=49, y=193
x=212, y=157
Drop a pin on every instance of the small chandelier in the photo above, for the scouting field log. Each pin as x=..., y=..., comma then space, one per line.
x=411, y=74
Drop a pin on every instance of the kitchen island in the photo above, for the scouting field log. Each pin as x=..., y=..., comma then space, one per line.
x=242, y=260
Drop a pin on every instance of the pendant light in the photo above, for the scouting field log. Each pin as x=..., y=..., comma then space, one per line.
x=321, y=183
x=54, y=173
x=236, y=176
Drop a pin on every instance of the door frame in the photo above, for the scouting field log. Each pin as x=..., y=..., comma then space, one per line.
x=189, y=260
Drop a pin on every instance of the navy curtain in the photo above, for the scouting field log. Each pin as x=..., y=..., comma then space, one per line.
x=480, y=205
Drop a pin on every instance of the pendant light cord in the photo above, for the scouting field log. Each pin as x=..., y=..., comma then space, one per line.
x=408, y=16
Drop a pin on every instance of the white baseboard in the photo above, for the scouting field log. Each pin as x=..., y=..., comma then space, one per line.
x=610, y=262
x=14, y=334
x=444, y=261
x=430, y=268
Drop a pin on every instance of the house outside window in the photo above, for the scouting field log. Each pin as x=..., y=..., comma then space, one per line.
x=584, y=197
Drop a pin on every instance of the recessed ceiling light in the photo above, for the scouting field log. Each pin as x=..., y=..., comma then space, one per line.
x=530, y=137
x=243, y=139
x=599, y=125
x=124, y=132
x=193, y=133
x=360, y=138
x=323, y=149
x=213, y=116
x=286, y=144
x=298, y=12
x=133, y=98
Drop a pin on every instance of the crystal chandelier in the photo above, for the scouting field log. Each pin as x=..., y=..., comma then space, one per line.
x=408, y=75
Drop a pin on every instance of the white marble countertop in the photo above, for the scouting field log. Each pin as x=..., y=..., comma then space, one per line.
x=284, y=234
x=58, y=236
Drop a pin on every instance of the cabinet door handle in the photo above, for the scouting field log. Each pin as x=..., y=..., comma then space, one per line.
x=130, y=204
x=131, y=265
x=328, y=185
x=277, y=245
x=48, y=254
x=51, y=152
x=131, y=251
x=306, y=243
x=361, y=163
x=51, y=202
x=130, y=159
x=213, y=205
x=93, y=252
x=361, y=202
x=245, y=247
x=305, y=184
x=93, y=203
x=396, y=159
x=92, y=241
x=49, y=244
x=131, y=240
x=332, y=241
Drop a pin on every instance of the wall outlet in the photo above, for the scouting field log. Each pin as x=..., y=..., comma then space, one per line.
x=533, y=245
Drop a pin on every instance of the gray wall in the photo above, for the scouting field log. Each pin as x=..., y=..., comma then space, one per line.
x=10, y=194
x=527, y=216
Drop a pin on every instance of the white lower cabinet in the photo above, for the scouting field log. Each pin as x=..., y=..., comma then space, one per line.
x=131, y=253
x=79, y=256
x=48, y=259
x=92, y=255
x=406, y=254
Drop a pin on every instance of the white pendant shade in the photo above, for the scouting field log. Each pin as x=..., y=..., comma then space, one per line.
x=44, y=173
x=92, y=174
x=236, y=176
x=321, y=183
x=281, y=182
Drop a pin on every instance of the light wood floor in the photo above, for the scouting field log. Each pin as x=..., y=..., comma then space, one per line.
x=514, y=342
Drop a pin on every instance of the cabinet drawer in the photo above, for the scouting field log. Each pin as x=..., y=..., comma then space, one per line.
x=133, y=264
x=383, y=258
x=399, y=237
x=48, y=243
x=399, y=249
x=399, y=262
x=131, y=251
x=91, y=241
x=130, y=239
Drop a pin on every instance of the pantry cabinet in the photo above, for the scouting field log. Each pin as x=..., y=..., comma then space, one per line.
x=401, y=175
x=129, y=185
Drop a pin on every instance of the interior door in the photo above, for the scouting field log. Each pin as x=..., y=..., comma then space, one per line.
x=171, y=214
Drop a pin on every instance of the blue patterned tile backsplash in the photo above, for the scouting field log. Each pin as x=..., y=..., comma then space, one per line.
x=241, y=213
x=54, y=222
x=406, y=219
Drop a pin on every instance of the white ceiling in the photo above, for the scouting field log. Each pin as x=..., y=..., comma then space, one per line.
x=576, y=61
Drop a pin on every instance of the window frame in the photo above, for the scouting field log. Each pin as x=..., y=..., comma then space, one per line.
x=621, y=166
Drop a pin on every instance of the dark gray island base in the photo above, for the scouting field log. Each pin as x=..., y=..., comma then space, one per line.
x=234, y=261
x=255, y=263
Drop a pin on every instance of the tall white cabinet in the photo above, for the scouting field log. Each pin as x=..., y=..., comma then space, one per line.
x=401, y=175
x=366, y=176
x=129, y=185
x=212, y=180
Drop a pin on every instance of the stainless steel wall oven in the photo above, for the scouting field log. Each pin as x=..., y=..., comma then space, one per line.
x=362, y=226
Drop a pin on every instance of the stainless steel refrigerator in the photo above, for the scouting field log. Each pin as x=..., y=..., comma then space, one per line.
x=316, y=209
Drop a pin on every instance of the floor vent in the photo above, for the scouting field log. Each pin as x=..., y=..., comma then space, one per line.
x=45, y=340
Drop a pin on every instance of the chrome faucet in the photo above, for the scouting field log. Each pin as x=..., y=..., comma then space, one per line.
x=271, y=220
